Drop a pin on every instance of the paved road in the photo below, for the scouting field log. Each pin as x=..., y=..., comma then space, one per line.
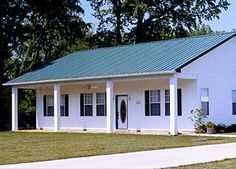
x=146, y=159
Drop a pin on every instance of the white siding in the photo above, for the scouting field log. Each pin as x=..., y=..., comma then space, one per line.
x=217, y=71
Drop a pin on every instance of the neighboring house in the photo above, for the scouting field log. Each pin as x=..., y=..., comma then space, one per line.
x=149, y=86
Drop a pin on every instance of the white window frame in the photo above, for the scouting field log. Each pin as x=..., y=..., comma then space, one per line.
x=50, y=102
x=101, y=102
x=167, y=100
x=88, y=104
x=154, y=98
x=63, y=104
x=205, y=98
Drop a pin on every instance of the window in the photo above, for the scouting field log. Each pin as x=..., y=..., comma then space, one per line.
x=167, y=102
x=49, y=105
x=205, y=100
x=64, y=105
x=100, y=104
x=234, y=102
x=86, y=104
x=179, y=102
x=152, y=103
x=62, y=108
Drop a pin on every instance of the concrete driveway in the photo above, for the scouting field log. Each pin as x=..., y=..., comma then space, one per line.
x=146, y=159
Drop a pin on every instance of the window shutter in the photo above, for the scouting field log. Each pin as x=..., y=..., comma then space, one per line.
x=234, y=108
x=179, y=102
x=147, y=103
x=81, y=104
x=105, y=105
x=66, y=105
x=44, y=105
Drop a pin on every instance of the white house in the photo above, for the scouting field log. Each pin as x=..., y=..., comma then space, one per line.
x=143, y=87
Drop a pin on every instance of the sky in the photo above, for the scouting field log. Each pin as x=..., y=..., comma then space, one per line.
x=227, y=21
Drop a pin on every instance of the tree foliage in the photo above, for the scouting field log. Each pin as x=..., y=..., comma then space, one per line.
x=33, y=33
x=149, y=20
x=201, y=30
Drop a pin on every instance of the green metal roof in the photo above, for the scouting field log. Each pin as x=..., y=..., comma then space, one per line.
x=145, y=58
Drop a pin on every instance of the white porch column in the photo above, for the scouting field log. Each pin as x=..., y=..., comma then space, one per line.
x=109, y=105
x=14, y=97
x=173, y=105
x=39, y=106
x=57, y=96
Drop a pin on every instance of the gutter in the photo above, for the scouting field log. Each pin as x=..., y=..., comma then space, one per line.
x=110, y=77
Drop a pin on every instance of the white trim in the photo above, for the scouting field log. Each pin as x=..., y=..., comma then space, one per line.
x=14, y=97
x=39, y=106
x=57, y=107
x=186, y=76
x=154, y=102
x=109, y=105
x=88, y=104
x=90, y=78
x=166, y=101
x=100, y=104
x=173, y=105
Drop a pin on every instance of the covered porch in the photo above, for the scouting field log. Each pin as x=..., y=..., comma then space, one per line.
x=123, y=105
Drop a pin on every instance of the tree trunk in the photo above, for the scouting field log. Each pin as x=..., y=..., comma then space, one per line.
x=117, y=9
x=5, y=114
x=139, y=33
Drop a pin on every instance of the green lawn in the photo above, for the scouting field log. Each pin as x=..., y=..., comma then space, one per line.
x=18, y=147
x=226, y=164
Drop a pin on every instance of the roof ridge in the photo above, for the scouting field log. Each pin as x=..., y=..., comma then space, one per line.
x=158, y=41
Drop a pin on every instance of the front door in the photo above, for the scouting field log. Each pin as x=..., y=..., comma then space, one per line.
x=122, y=112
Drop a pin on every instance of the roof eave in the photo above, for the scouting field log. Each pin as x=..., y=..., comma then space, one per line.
x=91, y=78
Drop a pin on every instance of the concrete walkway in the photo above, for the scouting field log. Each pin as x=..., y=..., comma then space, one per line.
x=146, y=159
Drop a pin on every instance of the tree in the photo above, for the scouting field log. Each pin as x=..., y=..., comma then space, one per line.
x=110, y=14
x=146, y=20
x=201, y=30
x=33, y=33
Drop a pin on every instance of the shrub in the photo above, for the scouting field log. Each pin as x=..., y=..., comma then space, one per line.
x=210, y=124
x=199, y=120
x=220, y=128
x=231, y=128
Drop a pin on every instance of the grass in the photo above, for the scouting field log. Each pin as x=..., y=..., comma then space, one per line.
x=233, y=133
x=19, y=147
x=226, y=164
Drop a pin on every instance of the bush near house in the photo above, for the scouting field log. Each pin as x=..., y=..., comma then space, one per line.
x=222, y=128
x=199, y=120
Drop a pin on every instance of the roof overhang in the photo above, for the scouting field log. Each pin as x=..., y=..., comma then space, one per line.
x=110, y=77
